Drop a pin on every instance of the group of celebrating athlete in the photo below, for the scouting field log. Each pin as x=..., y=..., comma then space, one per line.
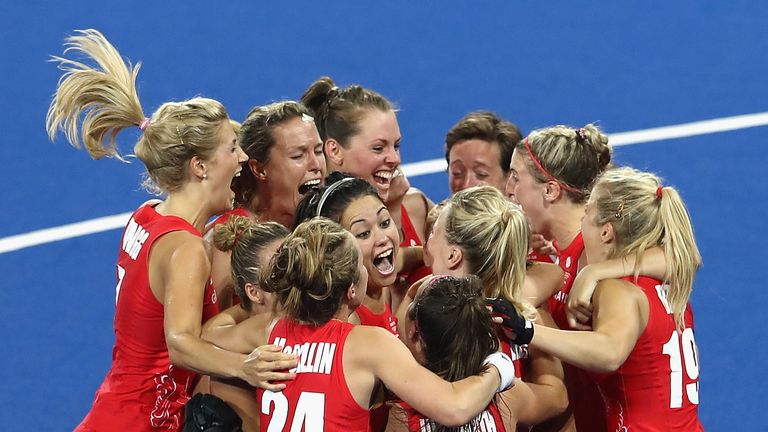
x=291, y=271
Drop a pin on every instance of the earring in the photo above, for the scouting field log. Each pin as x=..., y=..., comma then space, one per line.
x=205, y=176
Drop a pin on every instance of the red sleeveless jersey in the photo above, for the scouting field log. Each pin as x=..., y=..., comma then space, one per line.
x=657, y=387
x=142, y=390
x=385, y=320
x=318, y=399
x=487, y=421
x=583, y=395
x=224, y=217
x=411, y=238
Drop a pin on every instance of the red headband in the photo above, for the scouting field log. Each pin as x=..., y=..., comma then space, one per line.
x=658, y=191
x=545, y=172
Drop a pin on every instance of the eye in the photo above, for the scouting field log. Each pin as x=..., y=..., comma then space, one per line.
x=397, y=147
x=386, y=223
x=377, y=149
x=481, y=175
x=363, y=234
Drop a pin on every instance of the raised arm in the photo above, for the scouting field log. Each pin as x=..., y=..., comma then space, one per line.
x=379, y=355
x=621, y=313
x=579, y=303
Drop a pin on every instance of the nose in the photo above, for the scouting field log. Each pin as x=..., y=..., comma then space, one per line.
x=392, y=157
x=509, y=188
x=470, y=180
x=241, y=156
x=315, y=163
x=381, y=237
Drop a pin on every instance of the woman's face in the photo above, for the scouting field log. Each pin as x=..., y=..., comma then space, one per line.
x=524, y=189
x=296, y=162
x=440, y=251
x=223, y=167
x=374, y=153
x=369, y=222
x=595, y=246
x=262, y=259
x=412, y=339
x=361, y=287
x=475, y=162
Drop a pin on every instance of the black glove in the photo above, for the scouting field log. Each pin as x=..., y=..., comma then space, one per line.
x=512, y=320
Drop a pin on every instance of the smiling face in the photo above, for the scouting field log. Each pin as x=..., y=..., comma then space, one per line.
x=374, y=153
x=296, y=162
x=222, y=167
x=475, y=162
x=369, y=222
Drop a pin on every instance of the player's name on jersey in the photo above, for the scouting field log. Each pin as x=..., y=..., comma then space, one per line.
x=133, y=239
x=316, y=357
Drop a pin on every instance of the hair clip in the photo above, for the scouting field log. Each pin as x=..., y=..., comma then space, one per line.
x=580, y=134
x=179, y=134
x=620, y=211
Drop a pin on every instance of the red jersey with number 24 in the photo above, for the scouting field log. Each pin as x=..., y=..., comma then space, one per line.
x=319, y=398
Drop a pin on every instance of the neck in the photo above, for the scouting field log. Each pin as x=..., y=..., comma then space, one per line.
x=185, y=204
x=567, y=224
x=265, y=209
x=343, y=313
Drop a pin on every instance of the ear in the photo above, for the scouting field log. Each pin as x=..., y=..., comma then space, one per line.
x=334, y=151
x=254, y=293
x=552, y=191
x=413, y=335
x=257, y=168
x=197, y=167
x=351, y=291
x=607, y=235
x=455, y=257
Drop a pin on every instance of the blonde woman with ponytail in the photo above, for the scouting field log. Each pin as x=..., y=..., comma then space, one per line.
x=480, y=233
x=552, y=172
x=163, y=293
x=642, y=343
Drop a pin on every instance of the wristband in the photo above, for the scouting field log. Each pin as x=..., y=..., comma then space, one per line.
x=512, y=320
x=506, y=369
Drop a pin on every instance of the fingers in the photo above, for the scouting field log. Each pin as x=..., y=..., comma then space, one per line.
x=271, y=353
x=578, y=316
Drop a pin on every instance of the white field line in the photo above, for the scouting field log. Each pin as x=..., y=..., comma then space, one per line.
x=92, y=226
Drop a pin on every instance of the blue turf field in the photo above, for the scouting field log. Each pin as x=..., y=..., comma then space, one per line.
x=626, y=66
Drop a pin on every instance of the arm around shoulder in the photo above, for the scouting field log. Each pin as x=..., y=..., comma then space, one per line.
x=451, y=404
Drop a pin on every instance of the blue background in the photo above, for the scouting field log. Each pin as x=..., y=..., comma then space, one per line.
x=627, y=66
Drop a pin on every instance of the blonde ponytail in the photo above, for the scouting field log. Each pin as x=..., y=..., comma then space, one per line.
x=644, y=215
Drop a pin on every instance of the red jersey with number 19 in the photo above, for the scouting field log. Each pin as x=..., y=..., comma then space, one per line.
x=142, y=390
x=657, y=387
x=319, y=398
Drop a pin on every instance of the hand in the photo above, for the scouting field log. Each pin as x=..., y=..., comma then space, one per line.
x=518, y=329
x=542, y=246
x=578, y=307
x=261, y=367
